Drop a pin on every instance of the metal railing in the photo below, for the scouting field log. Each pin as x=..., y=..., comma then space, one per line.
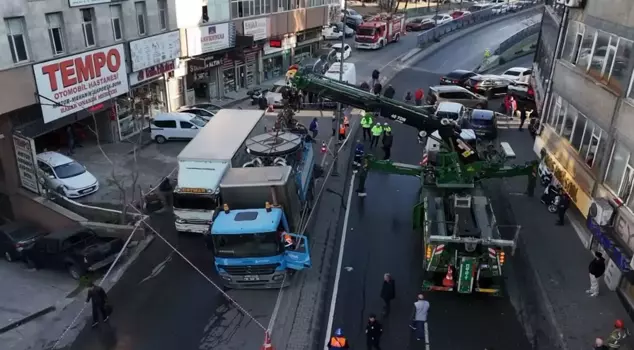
x=432, y=10
x=433, y=35
x=517, y=38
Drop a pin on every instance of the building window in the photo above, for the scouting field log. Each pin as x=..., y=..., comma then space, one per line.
x=585, y=51
x=56, y=32
x=578, y=132
x=569, y=122
x=603, y=55
x=574, y=40
x=622, y=63
x=619, y=162
x=242, y=8
x=115, y=18
x=162, y=6
x=16, y=35
x=261, y=7
x=88, y=27
x=140, y=17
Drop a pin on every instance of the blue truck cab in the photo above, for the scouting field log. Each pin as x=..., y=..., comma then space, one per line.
x=249, y=248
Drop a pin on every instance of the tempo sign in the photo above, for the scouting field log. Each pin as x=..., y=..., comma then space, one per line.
x=71, y=84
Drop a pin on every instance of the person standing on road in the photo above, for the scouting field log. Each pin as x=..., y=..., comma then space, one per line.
x=564, y=204
x=387, y=145
x=408, y=97
x=388, y=292
x=338, y=341
x=596, y=270
x=342, y=132
x=418, y=96
x=366, y=124
x=421, y=309
x=389, y=92
x=513, y=105
x=314, y=128
x=376, y=130
x=166, y=190
x=99, y=301
x=375, y=77
x=523, y=115
x=373, y=332
x=377, y=88
x=387, y=128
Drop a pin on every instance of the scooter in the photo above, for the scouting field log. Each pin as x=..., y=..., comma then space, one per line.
x=552, y=196
x=545, y=174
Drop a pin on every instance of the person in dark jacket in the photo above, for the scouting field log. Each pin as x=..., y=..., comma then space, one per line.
x=166, y=192
x=99, y=299
x=596, y=270
x=388, y=292
x=387, y=145
x=377, y=88
x=523, y=115
x=389, y=92
x=314, y=128
x=564, y=204
x=373, y=332
x=364, y=86
x=375, y=77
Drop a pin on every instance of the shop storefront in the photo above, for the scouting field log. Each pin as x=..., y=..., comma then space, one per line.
x=152, y=59
x=277, y=56
x=259, y=30
x=211, y=72
x=307, y=44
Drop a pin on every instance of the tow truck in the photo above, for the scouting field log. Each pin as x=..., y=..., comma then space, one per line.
x=460, y=233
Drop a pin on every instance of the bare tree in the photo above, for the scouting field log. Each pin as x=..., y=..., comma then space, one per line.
x=387, y=5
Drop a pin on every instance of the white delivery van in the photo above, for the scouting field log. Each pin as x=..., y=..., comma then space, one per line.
x=204, y=161
x=349, y=73
x=176, y=126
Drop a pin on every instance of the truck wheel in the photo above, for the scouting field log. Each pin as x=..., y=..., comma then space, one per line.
x=74, y=271
x=160, y=139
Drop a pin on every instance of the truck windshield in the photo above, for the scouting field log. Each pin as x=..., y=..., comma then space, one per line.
x=195, y=201
x=248, y=245
x=365, y=31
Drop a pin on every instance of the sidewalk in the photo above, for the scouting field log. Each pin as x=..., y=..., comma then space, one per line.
x=559, y=261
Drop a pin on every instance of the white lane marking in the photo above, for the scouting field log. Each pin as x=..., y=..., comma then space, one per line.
x=427, y=344
x=335, y=290
x=158, y=268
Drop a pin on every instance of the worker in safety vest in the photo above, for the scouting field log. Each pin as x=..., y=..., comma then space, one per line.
x=366, y=124
x=615, y=339
x=338, y=341
x=288, y=240
x=386, y=128
x=487, y=54
x=377, y=131
x=342, y=132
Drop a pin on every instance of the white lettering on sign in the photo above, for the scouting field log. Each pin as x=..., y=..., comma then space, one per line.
x=258, y=28
x=152, y=72
x=209, y=38
x=25, y=159
x=70, y=84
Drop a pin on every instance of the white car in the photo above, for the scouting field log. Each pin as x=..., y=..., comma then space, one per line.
x=334, y=31
x=274, y=95
x=442, y=18
x=201, y=112
x=501, y=9
x=518, y=74
x=60, y=173
x=347, y=50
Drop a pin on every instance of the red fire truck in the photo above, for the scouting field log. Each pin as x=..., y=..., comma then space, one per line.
x=380, y=31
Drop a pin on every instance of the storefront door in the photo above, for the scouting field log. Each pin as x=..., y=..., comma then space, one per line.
x=242, y=73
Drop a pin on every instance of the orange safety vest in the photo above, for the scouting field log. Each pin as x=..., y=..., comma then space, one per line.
x=288, y=239
x=338, y=342
x=346, y=121
x=342, y=129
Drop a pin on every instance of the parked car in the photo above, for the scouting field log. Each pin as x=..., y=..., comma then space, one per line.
x=62, y=174
x=176, y=126
x=353, y=18
x=344, y=49
x=459, y=14
x=15, y=237
x=78, y=250
x=488, y=85
x=274, y=95
x=451, y=110
x=334, y=31
x=442, y=19
x=484, y=123
x=501, y=9
x=419, y=24
x=201, y=112
x=457, y=77
x=207, y=106
x=453, y=93
x=518, y=74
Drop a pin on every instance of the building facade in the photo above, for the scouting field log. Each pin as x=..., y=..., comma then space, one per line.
x=583, y=78
x=102, y=69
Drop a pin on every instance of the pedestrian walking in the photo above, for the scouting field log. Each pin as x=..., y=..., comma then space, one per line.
x=523, y=116
x=419, y=323
x=389, y=92
x=513, y=105
x=376, y=131
x=599, y=345
x=99, y=301
x=334, y=126
x=408, y=97
x=418, y=96
x=70, y=134
x=364, y=86
x=596, y=270
x=375, y=77
x=166, y=190
x=564, y=204
x=388, y=293
x=366, y=124
x=314, y=128
x=387, y=145
x=338, y=341
x=373, y=332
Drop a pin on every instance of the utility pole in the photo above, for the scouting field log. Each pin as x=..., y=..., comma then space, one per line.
x=436, y=16
x=335, y=170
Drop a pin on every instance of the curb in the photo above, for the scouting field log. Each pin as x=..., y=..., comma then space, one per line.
x=27, y=319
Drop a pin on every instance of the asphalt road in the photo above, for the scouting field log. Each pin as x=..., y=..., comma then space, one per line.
x=380, y=238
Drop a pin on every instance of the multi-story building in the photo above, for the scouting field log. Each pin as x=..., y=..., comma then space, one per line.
x=106, y=67
x=583, y=78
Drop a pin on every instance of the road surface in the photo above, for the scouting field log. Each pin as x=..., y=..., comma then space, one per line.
x=379, y=238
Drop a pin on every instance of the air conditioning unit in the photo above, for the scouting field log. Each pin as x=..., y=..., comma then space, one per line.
x=561, y=2
x=601, y=211
x=574, y=3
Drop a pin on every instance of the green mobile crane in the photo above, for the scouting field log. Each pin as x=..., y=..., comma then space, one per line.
x=460, y=233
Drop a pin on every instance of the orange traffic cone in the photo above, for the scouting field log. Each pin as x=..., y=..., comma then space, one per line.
x=448, y=280
x=267, y=342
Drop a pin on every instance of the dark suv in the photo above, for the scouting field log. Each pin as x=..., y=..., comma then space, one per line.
x=15, y=237
x=453, y=93
x=78, y=250
x=488, y=85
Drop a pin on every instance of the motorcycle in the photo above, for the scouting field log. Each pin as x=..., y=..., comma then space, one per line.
x=552, y=196
x=544, y=173
x=256, y=94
